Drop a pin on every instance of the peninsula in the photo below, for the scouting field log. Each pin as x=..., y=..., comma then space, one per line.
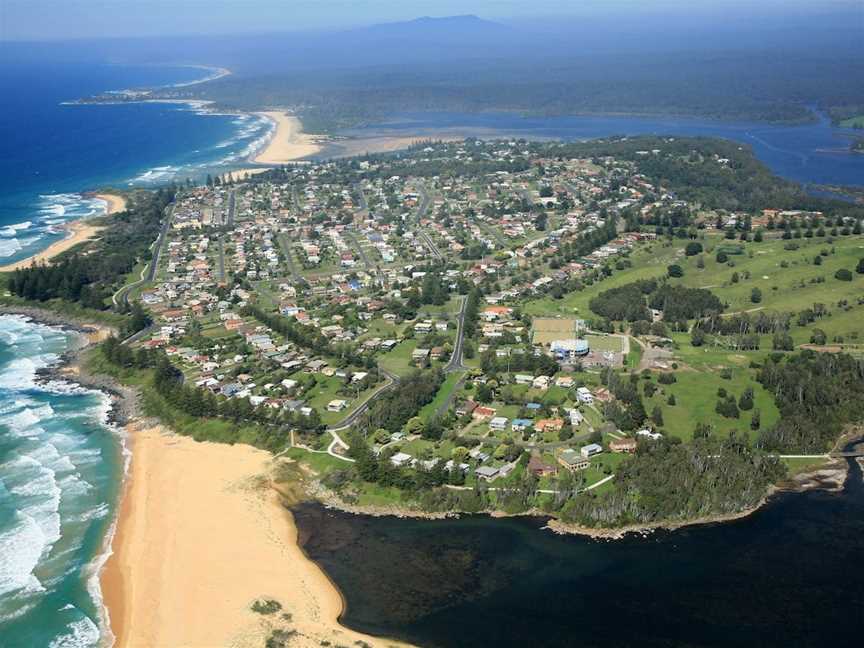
x=599, y=332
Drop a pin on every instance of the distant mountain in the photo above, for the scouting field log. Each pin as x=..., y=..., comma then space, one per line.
x=447, y=28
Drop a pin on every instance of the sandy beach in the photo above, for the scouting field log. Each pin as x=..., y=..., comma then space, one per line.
x=78, y=232
x=288, y=143
x=200, y=537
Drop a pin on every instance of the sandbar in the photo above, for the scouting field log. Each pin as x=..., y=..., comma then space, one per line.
x=288, y=143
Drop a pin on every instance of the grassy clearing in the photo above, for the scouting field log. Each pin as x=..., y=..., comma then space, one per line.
x=786, y=288
x=648, y=261
x=605, y=343
x=398, y=361
x=696, y=397
x=797, y=465
x=441, y=397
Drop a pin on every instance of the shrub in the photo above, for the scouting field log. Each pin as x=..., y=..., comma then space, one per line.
x=266, y=606
x=843, y=275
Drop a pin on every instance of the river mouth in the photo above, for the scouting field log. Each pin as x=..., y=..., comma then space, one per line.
x=779, y=577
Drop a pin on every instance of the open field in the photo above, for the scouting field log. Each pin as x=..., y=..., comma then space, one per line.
x=548, y=329
x=648, y=261
x=696, y=397
x=788, y=279
x=605, y=343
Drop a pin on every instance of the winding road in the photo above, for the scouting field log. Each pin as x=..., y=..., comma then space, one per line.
x=149, y=273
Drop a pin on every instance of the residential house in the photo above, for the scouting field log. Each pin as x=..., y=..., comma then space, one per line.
x=336, y=405
x=537, y=466
x=482, y=412
x=573, y=461
x=486, y=473
x=520, y=424
x=401, y=459
x=590, y=450
x=627, y=445
x=498, y=423
x=584, y=395
x=550, y=424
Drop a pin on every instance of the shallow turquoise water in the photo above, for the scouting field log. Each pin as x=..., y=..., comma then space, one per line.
x=60, y=467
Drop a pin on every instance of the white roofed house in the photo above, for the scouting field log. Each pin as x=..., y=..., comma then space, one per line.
x=498, y=423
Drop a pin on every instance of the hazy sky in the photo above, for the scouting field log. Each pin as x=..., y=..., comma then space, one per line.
x=60, y=19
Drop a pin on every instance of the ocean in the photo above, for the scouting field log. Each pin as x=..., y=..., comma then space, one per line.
x=60, y=467
x=60, y=464
x=54, y=153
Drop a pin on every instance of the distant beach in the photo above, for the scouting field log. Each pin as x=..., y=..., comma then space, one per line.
x=288, y=143
x=78, y=232
x=200, y=537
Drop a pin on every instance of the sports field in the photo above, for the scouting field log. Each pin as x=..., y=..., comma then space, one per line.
x=547, y=329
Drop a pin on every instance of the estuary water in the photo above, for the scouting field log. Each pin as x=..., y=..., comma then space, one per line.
x=789, y=575
x=53, y=152
x=60, y=468
x=815, y=153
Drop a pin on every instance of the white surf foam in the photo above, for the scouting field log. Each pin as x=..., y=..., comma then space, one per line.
x=82, y=633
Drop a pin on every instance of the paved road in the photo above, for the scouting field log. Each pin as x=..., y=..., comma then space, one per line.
x=338, y=442
x=220, y=270
x=349, y=420
x=282, y=239
x=363, y=204
x=232, y=207
x=431, y=245
x=149, y=273
x=425, y=201
x=365, y=259
x=455, y=363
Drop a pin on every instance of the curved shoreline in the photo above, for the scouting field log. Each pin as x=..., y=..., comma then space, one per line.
x=829, y=477
x=78, y=231
x=194, y=505
x=200, y=522
x=287, y=143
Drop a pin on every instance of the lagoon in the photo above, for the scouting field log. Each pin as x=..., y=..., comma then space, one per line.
x=816, y=153
x=788, y=575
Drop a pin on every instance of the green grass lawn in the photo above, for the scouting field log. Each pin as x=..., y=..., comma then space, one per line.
x=796, y=465
x=444, y=392
x=326, y=389
x=696, y=397
x=320, y=462
x=605, y=343
x=398, y=360
x=783, y=288
x=648, y=261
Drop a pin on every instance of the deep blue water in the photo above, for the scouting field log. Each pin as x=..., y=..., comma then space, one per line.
x=811, y=154
x=50, y=152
